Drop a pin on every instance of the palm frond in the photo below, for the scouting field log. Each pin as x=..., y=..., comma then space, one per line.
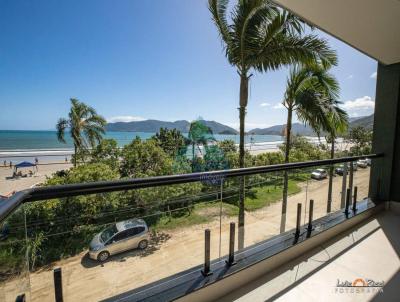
x=292, y=49
x=312, y=92
x=61, y=126
x=86, y=126
x=218, y=9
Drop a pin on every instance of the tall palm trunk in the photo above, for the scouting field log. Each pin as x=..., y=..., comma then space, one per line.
x=286, y=176
x=75, y=153
x=244, y=93
x=329, y=203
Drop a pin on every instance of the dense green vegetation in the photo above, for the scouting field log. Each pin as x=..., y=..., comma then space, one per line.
x=360, y=139
x=63, y=227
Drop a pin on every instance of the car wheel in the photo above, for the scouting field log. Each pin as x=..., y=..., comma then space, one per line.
x=143, y=244
x=103, y=256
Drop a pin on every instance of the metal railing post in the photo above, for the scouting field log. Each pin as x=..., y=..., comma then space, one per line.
x=346, y=210
x=310, y=217
x=351, y=176
x=297, y=233
x=231, y=257
x=58, y=292
x=344, y=183
x=21, y=298
x=206, y=270
x=355, y=199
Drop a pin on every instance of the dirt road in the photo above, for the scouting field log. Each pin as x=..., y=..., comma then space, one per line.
x=172, y=252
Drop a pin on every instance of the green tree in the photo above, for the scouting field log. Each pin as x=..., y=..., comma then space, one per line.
x=63, y=227
x=147, y=159
x=171, y=141
x=85, y=125
x=227, y=145
x=144, y=158
x=107, y=152
x=311, y=92
x=360, y=139
x=215, y=159
x=301, y=150
x=262, y=37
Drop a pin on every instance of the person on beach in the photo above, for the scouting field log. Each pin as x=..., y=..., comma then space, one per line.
x=36, y=161
x=10, y=164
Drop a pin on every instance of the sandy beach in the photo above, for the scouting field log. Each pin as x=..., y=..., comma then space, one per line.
x=45, y=169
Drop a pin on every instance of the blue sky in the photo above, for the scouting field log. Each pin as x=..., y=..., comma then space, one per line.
x=131, y=59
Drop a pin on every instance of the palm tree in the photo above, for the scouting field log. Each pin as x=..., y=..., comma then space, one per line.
x=261, y=37
x=311, y=92
x=86, y=127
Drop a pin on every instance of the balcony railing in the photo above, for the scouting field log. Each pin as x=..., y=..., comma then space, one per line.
x=49, y=234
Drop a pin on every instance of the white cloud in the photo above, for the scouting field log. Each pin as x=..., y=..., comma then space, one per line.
x=373, y=75
x=362, y=103
x=125, y=118
x=265, y=104
x=349, y=77
x=278, y=106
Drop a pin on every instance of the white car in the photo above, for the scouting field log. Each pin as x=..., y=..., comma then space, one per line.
x=319, y=174
x=362, y=163
x=119, y=237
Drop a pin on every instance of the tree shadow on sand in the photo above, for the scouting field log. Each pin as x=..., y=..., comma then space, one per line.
x=156, y=240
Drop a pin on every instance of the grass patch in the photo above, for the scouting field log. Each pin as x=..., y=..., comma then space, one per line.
x=213, y=208
x=256, y=198
x=202, y=212
x=171, y=222
x=260, y=197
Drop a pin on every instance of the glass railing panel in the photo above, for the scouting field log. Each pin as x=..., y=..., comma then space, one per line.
x=15, y=252
x=263, y=206
x=339, y=184
x=175, y=216
x=66, y=232
x=316, y=183
x=298, y=193
x=361, y=178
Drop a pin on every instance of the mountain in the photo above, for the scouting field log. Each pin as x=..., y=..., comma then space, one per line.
x=153, y=126
x=300, y=129
x=297, y=128
x=365, y=121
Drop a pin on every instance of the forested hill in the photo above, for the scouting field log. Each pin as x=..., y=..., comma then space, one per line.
x=153, y=126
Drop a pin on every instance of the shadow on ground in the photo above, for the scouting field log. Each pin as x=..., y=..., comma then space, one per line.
x=155, y=243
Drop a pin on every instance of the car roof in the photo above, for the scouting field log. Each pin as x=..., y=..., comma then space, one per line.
x=319, y=170
x=130, y=223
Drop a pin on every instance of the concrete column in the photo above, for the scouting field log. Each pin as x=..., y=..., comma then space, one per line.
x=385, y=172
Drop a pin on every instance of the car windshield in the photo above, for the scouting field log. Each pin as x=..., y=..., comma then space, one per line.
x=108, y=233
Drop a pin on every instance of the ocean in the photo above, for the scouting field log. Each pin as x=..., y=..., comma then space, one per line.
x=23, y=145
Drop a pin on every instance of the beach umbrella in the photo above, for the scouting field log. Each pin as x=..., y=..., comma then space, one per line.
x=24, y=164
